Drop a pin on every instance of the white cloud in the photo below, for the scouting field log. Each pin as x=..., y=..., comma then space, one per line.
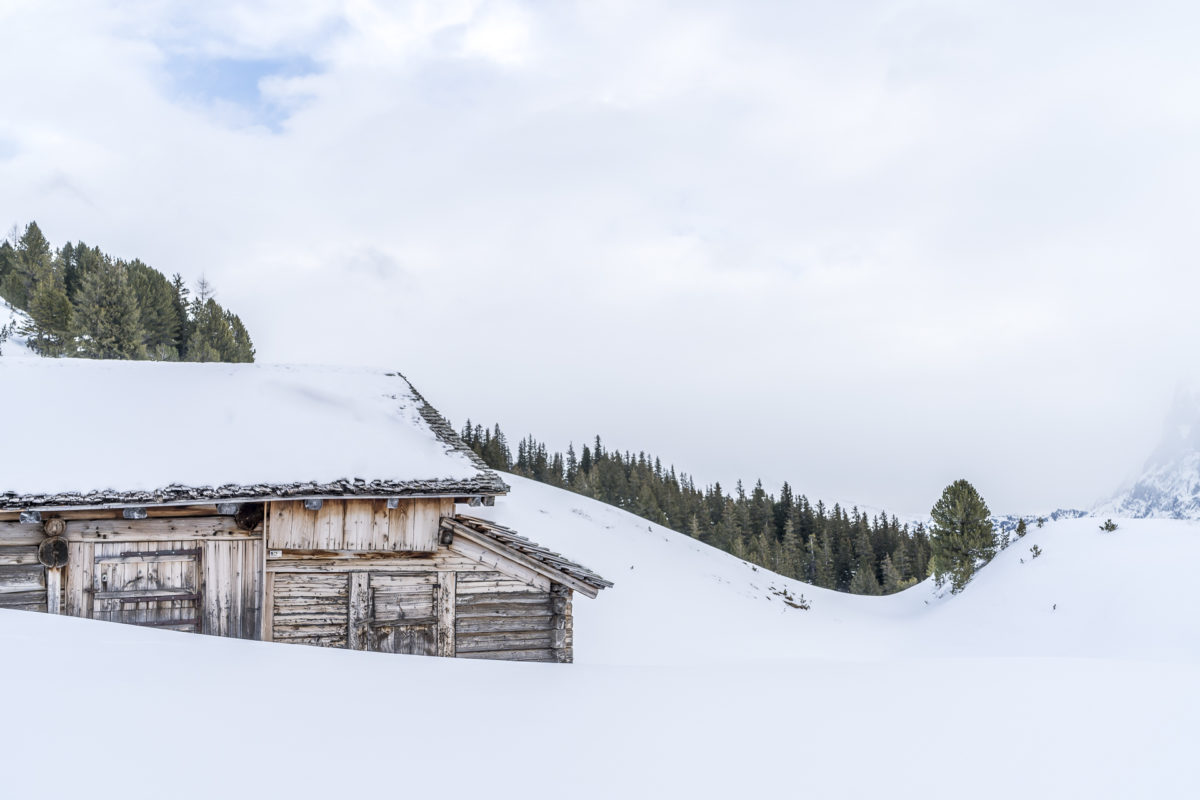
x=864, y=249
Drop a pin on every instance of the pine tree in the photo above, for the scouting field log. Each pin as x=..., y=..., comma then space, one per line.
x=52, y=315
x=107, y=320
x=1021, y=528
x=29, y=263
x=156, y=307
x=962, y=535
x=893, y=581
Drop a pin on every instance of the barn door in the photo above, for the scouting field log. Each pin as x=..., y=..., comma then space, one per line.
x=148, y=583
x=402, y=613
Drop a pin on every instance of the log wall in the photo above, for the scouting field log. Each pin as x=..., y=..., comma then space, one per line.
x=22, y=578
x=353, y=574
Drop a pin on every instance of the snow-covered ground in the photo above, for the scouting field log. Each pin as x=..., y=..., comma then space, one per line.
x=1069, y=675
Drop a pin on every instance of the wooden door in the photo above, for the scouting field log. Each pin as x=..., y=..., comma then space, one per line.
x=148, y=583
x=402, y=613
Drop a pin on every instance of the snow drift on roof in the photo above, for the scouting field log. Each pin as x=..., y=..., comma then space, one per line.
x=86, y=432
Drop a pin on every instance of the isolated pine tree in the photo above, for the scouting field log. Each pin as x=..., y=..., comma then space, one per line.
x=1022, y=529
x=962, y=535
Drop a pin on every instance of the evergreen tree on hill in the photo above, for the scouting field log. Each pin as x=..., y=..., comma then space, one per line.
x=79, y=301
x=27, y=262
x=156, y=307
x=962, y=537
x=108, y=321
x=52, y=315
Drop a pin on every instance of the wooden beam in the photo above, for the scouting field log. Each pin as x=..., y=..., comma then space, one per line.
x=446, y=607
x=539, y=567
x=54, y=590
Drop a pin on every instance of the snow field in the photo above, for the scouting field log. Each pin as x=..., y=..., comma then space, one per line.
x=692, y=680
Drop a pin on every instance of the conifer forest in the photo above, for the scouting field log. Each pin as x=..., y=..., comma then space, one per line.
x=831, y=547
x=85, y=303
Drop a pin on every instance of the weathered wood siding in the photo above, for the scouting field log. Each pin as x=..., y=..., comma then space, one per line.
x=357, y=525
x=22, y=578
x=502, y=618
x=354, y=574
x=200, y=574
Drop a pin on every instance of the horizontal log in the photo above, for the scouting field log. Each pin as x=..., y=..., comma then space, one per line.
x=493, y=587
x=495, y=611
x=490, y=598
x=514, y=655
x=324, y=592
x=116, y=513
x=18, y=556
x=315, y=641
x=487, y=642
x=22, y=578
x=305, y=631
x=39, y=607
x=18, y=599
x=351, y=555
x=148, y=595
x=287, y=621
x=309, y=604
x=489, y=575
x=149, y=558
x=158, y=529
x=504, y=624
x=20, y=533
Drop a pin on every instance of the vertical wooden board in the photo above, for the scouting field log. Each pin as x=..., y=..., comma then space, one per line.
x=216, y=588
x=292, y=526
x=330, y=531
x=268, y=605
x=380, y=536
x=252, y=570
x=359, y=526
x=279, y=525
x=79, y=577
x=426, y=520
x=400, y=524
x=356, y=633
x=447, y=583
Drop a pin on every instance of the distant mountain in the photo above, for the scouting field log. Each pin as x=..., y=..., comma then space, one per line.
x=1169, y=486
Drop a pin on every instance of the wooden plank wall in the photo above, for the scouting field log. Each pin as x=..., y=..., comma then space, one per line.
x=501, y=618
x=358, y=525
x=22, y=578
x=230, y=564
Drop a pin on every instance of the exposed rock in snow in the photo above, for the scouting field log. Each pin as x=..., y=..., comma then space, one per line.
x=1169, y=486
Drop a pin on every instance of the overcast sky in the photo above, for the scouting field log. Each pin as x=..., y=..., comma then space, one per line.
x=868, y=248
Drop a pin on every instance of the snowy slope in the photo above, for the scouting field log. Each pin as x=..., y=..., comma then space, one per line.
x=14, y=320
x=693, y=680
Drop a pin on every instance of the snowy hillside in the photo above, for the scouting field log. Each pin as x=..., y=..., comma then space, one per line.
x=1068, y=675
x=12, y=321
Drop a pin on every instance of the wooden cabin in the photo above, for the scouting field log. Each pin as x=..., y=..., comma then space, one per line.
x=314, y=506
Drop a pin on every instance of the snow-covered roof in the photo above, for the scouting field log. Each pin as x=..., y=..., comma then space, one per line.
x=87, y=433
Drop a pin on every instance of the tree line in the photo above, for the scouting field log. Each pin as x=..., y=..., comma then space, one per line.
x=832, y=547
x=85, y=303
